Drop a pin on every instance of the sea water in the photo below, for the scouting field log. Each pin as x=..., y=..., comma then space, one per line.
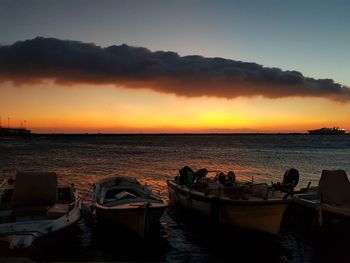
x=153, y=159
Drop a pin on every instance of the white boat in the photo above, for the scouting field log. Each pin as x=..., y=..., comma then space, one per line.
x=33, y=206
x=124, y=203
x=246, y=205
x=330, y=202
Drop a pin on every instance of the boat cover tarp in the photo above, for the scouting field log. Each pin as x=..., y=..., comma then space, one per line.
x=334, y=187
x=35, y=189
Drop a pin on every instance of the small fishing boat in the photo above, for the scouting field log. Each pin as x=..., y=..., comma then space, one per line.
x=33, y=206
x=330, y=202
x=123, y=203
x=255, y=206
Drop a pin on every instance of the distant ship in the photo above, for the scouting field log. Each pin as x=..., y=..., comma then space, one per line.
x=14, y=131
x=334, y=130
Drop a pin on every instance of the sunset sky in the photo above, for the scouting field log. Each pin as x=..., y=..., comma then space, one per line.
x=175, y=66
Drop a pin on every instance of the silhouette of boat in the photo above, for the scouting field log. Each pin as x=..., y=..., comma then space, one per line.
x=328, y=131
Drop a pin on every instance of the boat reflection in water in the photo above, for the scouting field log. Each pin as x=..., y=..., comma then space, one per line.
x=255, y=206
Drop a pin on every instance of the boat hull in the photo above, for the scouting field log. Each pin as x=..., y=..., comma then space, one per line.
x=265, y=216
x=308, y=207
x=196, y=204
x=124, y=204
x=138, y=221
x=23, y=235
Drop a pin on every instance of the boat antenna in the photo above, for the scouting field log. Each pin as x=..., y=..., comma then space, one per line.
x=25, y=124
x=8, y=122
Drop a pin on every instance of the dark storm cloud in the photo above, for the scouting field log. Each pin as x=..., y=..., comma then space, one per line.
x=72, y=62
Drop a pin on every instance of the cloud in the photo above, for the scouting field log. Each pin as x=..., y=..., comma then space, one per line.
x=73, y=62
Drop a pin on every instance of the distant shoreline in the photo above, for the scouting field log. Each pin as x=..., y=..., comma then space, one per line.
x=175, y=134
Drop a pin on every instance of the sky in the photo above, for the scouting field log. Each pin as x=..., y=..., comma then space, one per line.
x=224, y=66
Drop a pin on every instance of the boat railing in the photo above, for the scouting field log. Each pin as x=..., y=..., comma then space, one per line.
x=240, y=191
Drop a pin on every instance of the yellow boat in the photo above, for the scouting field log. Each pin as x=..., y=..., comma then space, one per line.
x=251, y=206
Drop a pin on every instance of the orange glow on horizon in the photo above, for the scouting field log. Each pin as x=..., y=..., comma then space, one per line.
x=53, y=108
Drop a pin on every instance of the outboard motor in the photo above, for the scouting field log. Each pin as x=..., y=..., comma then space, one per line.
x=200, y=174
x=199, y=183
x=290, y=181
x=187, y=175
x=231, y=177
x=221, y=177
x=290, y=178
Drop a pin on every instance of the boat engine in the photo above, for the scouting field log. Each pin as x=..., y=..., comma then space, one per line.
x=290, y=181
x=187, y=176
x=291, y=178
x=221, y=177
x=200, y=174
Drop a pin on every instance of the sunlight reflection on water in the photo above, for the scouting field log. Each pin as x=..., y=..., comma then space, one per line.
x=153, y=159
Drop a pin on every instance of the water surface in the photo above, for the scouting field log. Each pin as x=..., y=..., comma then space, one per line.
x=155, y=158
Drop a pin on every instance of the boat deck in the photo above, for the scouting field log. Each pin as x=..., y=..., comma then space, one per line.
x=126, y=196
x=10, y=213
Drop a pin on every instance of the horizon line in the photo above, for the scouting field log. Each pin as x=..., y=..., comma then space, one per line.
x=178, y=133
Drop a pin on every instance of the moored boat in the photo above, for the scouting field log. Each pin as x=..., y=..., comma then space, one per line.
x=32, y=206
x=329, y=203
x=123, y=203
x=245, y=205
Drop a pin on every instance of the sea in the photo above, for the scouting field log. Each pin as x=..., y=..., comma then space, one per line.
x=154, y=159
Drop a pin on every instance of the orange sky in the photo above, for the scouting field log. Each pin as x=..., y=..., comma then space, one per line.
x=236, y=50
x=85, y=108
